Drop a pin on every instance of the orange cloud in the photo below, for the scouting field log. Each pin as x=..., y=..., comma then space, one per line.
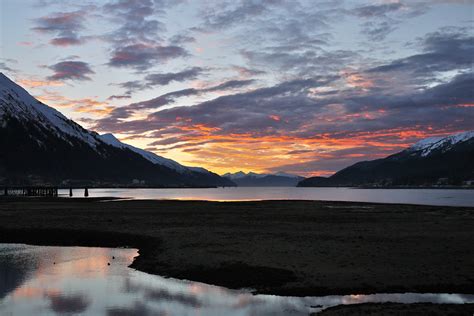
x=200, y=127
x=92, y=108
x=201, y=145
x=357, y=80
x=85, y=105
x=465, y=105
x=34, y=83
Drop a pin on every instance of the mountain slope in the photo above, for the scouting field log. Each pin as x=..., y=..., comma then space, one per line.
x=17, y=103
x=40, y=145
x=252, y=179
x=152, y=157
x=446, y=160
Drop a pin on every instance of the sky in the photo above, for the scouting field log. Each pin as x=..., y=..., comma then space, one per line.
x=305, y=87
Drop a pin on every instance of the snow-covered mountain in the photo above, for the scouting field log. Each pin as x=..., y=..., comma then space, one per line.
x=287, y=175
x=18, y=103
x=241, y=174
x=152, y=157
x=263, y=179
x=40, y=144
x=431, y=161
x=431, y=145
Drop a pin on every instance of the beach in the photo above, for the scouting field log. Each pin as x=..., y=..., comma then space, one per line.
x=293, y=248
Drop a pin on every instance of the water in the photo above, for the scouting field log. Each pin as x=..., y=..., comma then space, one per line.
x=447, y=197
x=37, y=280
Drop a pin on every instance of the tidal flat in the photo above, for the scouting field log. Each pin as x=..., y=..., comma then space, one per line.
x=294, y=248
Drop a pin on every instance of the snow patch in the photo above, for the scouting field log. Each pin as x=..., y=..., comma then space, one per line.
x=17, y=102
x=110, y=139
x=426, y=146
x=241, y=174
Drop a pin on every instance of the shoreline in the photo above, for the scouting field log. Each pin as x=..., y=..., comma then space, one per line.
x=104, y=199
x=408, y=187
x=397, y=309
x=143, y=244
x=267, y=245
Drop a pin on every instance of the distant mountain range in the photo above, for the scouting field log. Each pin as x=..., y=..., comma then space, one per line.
x=251, y=179
x=39, y=145
x=432, y=161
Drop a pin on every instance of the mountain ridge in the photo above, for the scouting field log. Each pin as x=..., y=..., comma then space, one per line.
x=264, y=180
x=40, y=145
x=432, y=161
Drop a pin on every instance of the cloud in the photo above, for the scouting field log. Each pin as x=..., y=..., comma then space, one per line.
x=247, y=72
x=162, y=79
x=445, y=50
x=119, y=96
x=230, y=15
x=337, y=128
x=280, y=36
x=166, y=78
x=71, y=70
x=131, y=86
x=377, y=10
x=5, y=67
x=301, y=63
x=34, y=83
x=135, y=20
x=170, y=97
x=457, y=91
x=227, y=85
x=320, y=102
x=163, y=100
x=179, y=39
x=324, y=164
x=378, y=30
x=115, y=117
x=89, y=105
x=138, y=41
x=144, y=56
x=233, y=104
x=382, y=19
x=64, y=25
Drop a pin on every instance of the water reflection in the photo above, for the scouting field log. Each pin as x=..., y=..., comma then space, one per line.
x=96, y=281
x=75, y=303
x=451, y=197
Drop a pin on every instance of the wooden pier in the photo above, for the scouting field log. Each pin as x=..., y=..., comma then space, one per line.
x=29, y=191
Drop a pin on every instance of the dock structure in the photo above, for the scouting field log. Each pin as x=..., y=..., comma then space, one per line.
x=30, y=191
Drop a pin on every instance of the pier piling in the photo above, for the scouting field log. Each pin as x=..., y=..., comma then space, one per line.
x=30, y=191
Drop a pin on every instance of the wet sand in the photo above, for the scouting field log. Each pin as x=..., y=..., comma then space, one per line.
x=298, y=248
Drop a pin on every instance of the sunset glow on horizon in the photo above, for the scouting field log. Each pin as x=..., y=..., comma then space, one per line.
x=304, y=87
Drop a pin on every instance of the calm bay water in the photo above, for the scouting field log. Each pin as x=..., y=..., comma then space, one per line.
x=37, y=280
x=448, y=197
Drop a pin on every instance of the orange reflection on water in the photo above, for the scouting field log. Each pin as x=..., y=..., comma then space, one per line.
x=52, y=277
x=353, y=299
x=196, y=288
x=34, y=292
x=64, y=262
